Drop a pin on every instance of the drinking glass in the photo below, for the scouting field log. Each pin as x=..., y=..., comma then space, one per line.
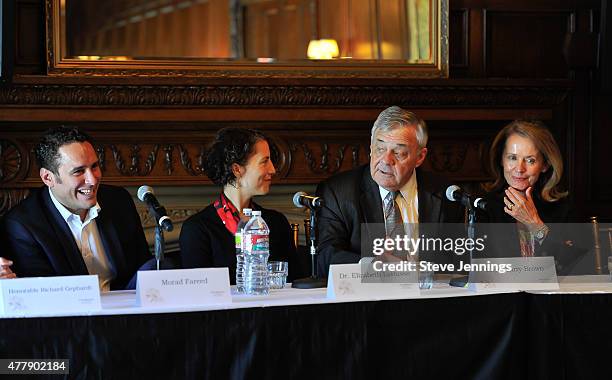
x=277, y=273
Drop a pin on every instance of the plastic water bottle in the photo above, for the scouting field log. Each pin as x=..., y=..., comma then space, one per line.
x=256, y=237
x=239, y=254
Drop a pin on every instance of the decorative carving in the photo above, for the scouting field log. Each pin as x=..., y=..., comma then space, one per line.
x=448, y=157
x=443, y=41
x=280, y=155
x=118, y=160
x=10, y=197
x=134, y=169
x=315, y=160
x=186, y=161
x=267, y=73
x=134, y=150
x=168, y=158
x=101, y=156
x=337, y=161
x=323, y=167
x=150, y=163
x=118, y=95
x=10, y=160
x=49, y=25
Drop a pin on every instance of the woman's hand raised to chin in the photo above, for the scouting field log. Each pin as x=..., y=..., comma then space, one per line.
x=522, y=208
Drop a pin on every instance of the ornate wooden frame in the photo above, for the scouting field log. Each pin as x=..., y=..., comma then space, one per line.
x=338, y=69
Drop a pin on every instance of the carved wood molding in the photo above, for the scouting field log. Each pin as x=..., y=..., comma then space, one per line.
x=216, y=73
x=308, y=161
x=196, y=95
x=10, y=197
x=179, y=164
x=448, y=157
x=295, y=162
x=10, y=160
x=323, y=164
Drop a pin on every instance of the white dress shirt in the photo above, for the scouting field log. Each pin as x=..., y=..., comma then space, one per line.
x=87, y=238
x=408, y=203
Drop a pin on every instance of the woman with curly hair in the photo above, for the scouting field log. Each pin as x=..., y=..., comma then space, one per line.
x=239, y=161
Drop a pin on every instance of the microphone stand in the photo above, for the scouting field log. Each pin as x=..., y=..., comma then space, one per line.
x=464, y=281
x=159, y=244
x=313, y=281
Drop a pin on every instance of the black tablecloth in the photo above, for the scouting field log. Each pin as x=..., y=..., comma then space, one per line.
x=502, y=336
x=569, y=337
x=465, y=337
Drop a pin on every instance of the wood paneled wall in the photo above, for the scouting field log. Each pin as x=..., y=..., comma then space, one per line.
x=509, y=59
x=144, y=28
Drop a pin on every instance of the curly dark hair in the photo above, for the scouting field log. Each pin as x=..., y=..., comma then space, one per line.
x=47, y=149
x=231, y=145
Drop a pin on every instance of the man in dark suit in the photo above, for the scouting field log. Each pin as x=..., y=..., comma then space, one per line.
x=74, y=225
x=398, y=147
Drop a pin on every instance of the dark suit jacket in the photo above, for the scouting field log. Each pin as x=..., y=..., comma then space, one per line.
x=205, y=242
x=352, y=198
x=40, y=243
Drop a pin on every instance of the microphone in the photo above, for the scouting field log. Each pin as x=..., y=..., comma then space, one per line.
x=301, y=199
x=145, y=194
x=456, y=194
x=480, y=203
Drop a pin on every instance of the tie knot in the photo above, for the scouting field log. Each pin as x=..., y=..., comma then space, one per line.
x=392, y=195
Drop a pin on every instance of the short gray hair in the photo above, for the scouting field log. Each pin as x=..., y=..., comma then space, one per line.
x=395, y=117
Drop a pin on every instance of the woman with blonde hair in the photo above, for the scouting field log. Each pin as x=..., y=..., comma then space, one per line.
x=527, y=165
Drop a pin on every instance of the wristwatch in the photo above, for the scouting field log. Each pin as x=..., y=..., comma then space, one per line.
x=541, y=233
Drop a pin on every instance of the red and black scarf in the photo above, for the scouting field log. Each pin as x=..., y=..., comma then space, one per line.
x=229, y=214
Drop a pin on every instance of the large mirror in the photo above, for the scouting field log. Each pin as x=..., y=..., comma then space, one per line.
x=288, y=38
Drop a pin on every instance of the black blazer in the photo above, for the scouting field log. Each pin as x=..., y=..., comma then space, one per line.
x=205, y=242
x=353, y=198
x=40, y=243
x=567, y=243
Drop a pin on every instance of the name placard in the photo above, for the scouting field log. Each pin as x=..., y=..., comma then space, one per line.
x=520, y=273
x=179, y=287
x=33, y=296
x=351, y=282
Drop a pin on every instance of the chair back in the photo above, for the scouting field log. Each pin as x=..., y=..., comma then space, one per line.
x=600, y=251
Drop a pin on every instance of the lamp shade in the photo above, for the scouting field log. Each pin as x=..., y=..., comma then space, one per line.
x=323, y=49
